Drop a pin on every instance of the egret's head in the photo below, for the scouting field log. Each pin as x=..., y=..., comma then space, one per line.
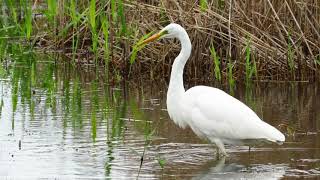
x=170, y=31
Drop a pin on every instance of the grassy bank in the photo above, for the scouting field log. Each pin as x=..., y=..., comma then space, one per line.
x=232, y=40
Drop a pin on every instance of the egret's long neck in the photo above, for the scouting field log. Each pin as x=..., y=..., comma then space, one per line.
x=176, y=87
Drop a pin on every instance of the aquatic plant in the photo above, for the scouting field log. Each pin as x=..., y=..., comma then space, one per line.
x=105, y=29
x=92, y=20
x=203, y=5
x=231, y=80
x=137, y=47
x=27, y=19
x=116, y=24
x=51, y=12
x=250, y=64
x=216, y=62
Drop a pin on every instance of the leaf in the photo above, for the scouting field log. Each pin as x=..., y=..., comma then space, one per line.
x=216, y=61
x=137, y=47
x=161, y=161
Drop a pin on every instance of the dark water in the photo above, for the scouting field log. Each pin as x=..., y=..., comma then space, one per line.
x=62, y=122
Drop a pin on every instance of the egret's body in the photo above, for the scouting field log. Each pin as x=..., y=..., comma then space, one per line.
x=210, y=112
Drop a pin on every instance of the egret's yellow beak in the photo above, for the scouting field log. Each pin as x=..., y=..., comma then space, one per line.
x=150, y=39
x=153, y=38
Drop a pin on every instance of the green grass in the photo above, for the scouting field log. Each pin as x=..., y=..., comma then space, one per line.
x=137, y=47
x=161, y=162
x=203, y=5
x=121, y=14
x=231, y=80
x=92, y=21
x=1, y=105
x=250, y=65
x=105, y=29
x=12, y=5
x=216, y=62
x=75, y=18
x=100, y=30
x=113, y=11
x=317, y=59
x=28, y=20
x=51, y=12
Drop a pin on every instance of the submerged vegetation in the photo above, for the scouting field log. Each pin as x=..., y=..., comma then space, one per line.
x=284, y=41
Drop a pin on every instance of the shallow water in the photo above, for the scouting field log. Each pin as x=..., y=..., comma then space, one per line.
x=63, y=122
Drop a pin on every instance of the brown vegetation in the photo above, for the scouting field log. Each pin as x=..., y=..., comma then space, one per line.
x=284, y=36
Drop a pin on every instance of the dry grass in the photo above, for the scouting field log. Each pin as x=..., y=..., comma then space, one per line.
x=281, y=32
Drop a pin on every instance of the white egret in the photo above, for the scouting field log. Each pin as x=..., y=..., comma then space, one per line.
x=210, y=112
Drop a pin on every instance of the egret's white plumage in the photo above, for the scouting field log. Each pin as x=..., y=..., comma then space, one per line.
x=210, y=112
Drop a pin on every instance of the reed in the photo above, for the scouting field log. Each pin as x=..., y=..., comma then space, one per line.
x=137, y=47
x=250, y=65
x=75, y=18
x=92, y=21
x=216, y=62
x=203, y=5
x=284, y=35
x=28, y=19
x=105, y=29
x=51, y=12
x=230, y=76
x=122, y=18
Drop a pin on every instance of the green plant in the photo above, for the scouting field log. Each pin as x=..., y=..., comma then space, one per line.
x=317, y=59
x=137, y=47
x=216, y=62
x=105, y=30
x=12, y=5
x=51, y=11
x=92, y=20
x=122, y=17
x=203, y=5
x=28, y=20
x=113, y=11
x=75, y=18
x=250, y=65
x=231, y=80
x=161, y=162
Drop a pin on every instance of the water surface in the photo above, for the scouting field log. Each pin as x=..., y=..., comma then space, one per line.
x=58, y=121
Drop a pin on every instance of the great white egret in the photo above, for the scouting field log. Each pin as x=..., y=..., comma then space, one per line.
x=210, y=112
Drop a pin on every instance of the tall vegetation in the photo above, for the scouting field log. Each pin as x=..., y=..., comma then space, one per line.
x=284, y=35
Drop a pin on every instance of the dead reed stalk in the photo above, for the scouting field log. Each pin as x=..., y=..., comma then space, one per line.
x=284, y=37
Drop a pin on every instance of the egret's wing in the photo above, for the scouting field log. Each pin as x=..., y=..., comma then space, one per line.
x=214, y=113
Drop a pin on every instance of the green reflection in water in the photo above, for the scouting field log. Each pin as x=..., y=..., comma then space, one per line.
x=94, y=109
x=120, y=107
x=249, y=97
x=1, y=103
x=66, y=95
x=76, y=106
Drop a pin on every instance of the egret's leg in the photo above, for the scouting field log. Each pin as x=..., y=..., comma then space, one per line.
x=220, y=146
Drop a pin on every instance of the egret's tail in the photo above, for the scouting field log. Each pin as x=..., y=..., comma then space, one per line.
x=275, y=135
